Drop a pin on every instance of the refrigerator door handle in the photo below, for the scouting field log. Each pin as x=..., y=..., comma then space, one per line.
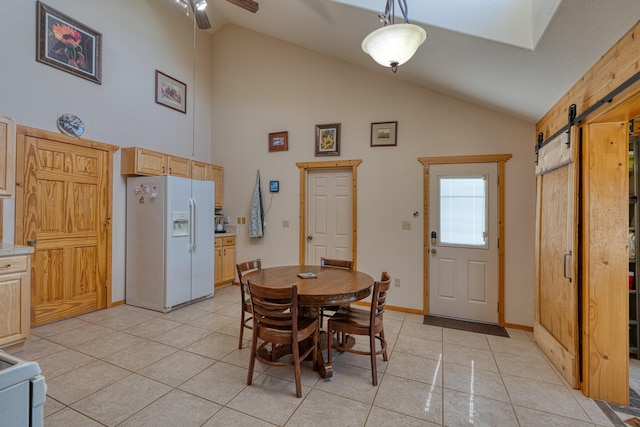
x=193, y=207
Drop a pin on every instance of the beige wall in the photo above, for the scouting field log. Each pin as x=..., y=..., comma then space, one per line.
x=263, y=85
x=259, y=85
x=138, y=37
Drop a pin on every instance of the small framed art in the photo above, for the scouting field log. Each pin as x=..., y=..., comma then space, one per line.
x=68, y=45
x=279, y=141
x=328, y=140
x=170, y=92
x=384, y=134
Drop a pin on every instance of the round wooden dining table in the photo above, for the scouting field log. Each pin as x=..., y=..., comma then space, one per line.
x=331, y=286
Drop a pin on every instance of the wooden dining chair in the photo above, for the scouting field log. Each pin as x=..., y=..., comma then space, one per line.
x=362, y=322
x=276, y=323
x=243, y=268
x=333, y=263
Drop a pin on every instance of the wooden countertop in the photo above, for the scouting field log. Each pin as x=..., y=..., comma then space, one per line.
x=9, y=249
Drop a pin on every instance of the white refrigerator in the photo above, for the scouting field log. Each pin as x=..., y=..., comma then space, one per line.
x=170, y=238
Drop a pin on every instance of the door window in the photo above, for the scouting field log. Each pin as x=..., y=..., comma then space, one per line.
x=463, y=211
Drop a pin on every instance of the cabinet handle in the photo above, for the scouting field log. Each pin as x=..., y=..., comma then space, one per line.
x=4, y=267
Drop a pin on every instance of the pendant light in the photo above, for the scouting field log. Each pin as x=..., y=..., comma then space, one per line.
x=394, y=44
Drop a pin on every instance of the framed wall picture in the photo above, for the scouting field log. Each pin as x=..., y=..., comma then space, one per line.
x=279, y=141
x=170, y=92
x=384, y=134
x=328, y=140
x=68, y=45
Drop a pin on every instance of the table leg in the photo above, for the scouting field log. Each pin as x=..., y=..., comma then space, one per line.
x=324, y=369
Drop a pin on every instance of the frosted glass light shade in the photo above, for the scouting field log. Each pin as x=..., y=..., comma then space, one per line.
x=394, y=44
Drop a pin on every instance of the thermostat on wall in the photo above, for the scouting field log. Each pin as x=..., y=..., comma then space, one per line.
x=274, y=186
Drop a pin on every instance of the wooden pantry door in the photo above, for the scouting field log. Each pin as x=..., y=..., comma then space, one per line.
x=63, y=210
x=556, y=325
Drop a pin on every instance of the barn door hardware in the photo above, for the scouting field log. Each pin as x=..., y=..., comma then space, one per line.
x=572, y=114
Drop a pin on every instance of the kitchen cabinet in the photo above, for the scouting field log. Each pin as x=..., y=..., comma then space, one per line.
x=7, y=156
x=216, y=176
x=178, y=166
x=15, y=293
x=225, y=259
x=138, y=161
x=200, y=171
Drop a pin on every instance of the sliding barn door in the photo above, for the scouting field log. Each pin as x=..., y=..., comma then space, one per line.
x=604, y=262
x=556, y=325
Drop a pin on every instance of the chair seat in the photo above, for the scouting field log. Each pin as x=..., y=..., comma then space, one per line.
x=306, y=327
x=350, y=318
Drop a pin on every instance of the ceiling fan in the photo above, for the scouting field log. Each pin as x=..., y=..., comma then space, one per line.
x=199, y=8
x=250, y=5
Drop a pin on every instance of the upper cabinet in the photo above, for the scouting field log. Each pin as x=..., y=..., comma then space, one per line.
x=140, y=161
x=179, y=166
x=200, y=171
x=7, y=156
x=215, y=175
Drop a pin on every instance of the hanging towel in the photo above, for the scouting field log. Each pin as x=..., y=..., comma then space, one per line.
x=256, y=225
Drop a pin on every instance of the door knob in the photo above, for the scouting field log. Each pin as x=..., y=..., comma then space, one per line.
x=309, y=237
x=31, y=242
x=434, y=250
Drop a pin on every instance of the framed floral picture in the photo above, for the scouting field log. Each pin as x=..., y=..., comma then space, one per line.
x=170, y=92
x=384, y=134
x=279, y=141
x=68, y=45
x=328, y=140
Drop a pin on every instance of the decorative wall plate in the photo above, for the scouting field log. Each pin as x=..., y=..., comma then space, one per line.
x=70, y=125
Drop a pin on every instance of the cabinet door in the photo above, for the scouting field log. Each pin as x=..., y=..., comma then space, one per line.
x=149, y=162
x=7, y=156
x=216, y=176
x=199, y=171
x=177, y=166
x=228, y=263
x=14, y=302
x=218, y=262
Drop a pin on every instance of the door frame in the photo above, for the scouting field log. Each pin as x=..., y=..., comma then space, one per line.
x=500, y=159
x=305, y=167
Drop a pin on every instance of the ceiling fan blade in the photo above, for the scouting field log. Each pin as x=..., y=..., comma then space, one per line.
x=202, y=19
x=250, y=5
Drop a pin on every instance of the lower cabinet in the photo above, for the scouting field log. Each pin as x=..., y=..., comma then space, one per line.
x=14, y=300
x=225, y=260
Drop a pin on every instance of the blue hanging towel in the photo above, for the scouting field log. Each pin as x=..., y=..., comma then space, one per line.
x=256, y=224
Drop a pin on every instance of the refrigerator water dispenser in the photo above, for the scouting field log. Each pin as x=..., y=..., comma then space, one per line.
x=180, y=222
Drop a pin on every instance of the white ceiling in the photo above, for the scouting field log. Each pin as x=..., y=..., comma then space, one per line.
x=466, y=55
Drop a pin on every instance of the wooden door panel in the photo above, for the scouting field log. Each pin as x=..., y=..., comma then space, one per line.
x=556, y=326
x=66, y=210
x=556, y=295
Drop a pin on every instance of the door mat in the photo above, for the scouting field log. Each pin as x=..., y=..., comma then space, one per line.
x=464, y=325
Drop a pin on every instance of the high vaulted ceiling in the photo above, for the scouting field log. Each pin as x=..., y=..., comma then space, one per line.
x=514, y=56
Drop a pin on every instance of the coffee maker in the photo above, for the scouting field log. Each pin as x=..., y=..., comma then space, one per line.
x=219, y=223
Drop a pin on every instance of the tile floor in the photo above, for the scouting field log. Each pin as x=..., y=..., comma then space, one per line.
x=128, y=366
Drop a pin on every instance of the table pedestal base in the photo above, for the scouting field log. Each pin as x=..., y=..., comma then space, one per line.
x=324, y=369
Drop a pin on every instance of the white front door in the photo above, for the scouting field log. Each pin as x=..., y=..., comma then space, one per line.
x=330, y=214
x=463, y=241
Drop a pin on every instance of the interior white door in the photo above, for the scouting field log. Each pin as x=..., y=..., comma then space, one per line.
x=463, y=256
x=329, y=215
